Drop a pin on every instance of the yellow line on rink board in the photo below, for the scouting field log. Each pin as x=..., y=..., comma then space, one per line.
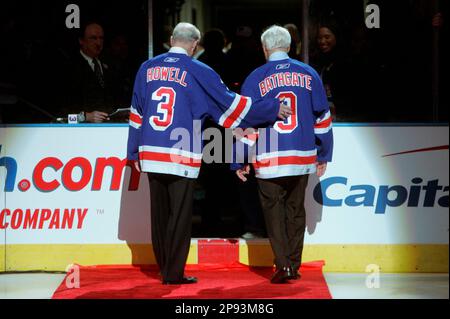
x=2, y=258
x=58, y=257
x=356, y=258
x=338, y=258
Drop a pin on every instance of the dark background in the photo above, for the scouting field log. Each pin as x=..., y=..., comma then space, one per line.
x=395, y=62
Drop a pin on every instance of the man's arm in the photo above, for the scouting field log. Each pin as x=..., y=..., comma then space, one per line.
x=136, y=115
x=232, y=110
x=323, y=128
x=96, y=117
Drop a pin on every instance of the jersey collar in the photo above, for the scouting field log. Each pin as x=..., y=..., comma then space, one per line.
x=178, y=50
x=278, y=56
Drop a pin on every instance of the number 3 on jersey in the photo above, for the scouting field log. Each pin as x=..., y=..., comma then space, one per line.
x=164, y=119
x=289, y=125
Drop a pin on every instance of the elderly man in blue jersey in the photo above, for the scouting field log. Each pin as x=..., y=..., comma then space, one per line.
x=304, y=146
x=173, y=95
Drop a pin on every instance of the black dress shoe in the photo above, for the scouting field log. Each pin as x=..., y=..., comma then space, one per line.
x=281, y=275
x=297, y=275
x=184, y=281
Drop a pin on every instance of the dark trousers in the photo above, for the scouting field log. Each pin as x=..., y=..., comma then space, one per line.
x=251, y=206
x=171, y=210
x=282, y=200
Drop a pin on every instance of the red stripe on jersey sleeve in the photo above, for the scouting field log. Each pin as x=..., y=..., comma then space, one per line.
x=236, y=113
x=324, y=124
x=135, y=118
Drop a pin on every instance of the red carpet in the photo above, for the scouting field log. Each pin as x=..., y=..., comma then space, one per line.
x=216, y=281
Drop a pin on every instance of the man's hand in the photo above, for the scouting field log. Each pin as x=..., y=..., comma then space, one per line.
x=137, y=166
x=321, y=169
x=242, y=172
x=285, y=111
x=96, y=117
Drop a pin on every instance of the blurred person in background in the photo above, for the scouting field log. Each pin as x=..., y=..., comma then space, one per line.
x=93, y=91
x=330, y=63
x=244, y=56
x=296, y=42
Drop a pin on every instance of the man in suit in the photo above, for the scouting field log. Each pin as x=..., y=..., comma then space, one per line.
x=91, y=92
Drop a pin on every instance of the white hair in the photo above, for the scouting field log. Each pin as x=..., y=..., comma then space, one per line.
x=276, y=37
x=186, y=32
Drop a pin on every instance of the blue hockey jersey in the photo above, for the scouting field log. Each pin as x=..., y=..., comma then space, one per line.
x=173, y=95
x=291, y=147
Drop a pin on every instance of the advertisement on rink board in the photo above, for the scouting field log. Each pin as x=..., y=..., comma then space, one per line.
x=74, y=185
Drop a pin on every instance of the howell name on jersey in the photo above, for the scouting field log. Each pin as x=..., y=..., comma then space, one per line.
x=167, y=74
